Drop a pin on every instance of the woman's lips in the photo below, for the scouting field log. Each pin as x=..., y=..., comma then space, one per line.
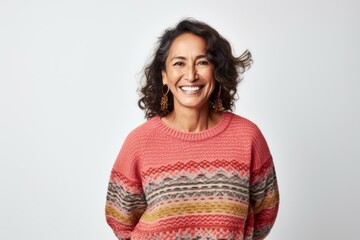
x=190, y=89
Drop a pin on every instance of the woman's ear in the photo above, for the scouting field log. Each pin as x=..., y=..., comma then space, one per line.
x=164, y=77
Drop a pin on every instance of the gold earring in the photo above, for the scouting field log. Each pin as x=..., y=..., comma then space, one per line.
x=218, y=107
x=164, y=98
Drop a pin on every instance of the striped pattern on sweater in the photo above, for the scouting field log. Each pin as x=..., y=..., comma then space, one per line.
x=216, y=184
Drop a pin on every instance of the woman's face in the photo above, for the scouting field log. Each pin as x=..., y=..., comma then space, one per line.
x=188, y=73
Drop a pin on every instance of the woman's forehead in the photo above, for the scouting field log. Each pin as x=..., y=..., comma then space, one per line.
x=187, y=44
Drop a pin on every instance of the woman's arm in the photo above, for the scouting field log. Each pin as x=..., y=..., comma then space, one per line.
x=264, y=192
x=125, y=200
x=125, y=203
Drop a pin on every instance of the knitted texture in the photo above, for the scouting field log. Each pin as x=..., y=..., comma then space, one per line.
x=216, y=184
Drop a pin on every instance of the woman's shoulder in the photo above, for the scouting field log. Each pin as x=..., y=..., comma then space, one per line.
x=244, y=124
x=144, y=130
x=241, y=120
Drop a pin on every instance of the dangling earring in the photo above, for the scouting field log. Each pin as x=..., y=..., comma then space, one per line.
x=164, y=98
x=218, y=107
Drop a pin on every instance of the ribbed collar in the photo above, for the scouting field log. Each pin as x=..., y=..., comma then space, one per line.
x=224, y=122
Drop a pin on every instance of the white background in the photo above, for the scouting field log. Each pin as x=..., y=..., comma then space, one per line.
x=69, y=71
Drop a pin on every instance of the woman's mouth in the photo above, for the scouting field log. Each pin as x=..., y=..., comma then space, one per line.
x=190, y=89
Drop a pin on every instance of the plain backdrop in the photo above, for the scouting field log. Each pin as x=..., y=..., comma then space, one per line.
x=69, y=73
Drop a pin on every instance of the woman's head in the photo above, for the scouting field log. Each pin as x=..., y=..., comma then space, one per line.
x=226, y=67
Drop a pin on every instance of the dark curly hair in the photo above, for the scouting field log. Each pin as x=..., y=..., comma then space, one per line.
x=227, y=68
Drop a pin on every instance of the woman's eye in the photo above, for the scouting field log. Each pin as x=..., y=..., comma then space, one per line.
x=178, y=64
x=202, y=63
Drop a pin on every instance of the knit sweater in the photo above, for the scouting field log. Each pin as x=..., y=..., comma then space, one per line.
x=216, y=184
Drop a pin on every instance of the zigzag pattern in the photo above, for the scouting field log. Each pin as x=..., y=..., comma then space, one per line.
x=207, y=220
x=262, y=171
x=219, y=185
x=207, y=231
x=194, y=166
x=128, y=185
x=120, y=198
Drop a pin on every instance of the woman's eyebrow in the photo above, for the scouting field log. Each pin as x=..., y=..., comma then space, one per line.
x=184, y=58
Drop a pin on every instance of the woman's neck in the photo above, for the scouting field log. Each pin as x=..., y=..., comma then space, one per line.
x=192, y=120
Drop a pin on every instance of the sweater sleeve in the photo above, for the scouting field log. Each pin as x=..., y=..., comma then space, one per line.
x=264, y=194
x=125, y=201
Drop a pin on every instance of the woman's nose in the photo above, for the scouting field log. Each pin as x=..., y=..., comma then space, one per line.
x=191, y=74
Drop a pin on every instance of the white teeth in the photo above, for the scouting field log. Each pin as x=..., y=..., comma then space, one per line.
x=190, y=89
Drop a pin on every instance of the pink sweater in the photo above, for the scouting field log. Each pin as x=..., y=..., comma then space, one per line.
x=215, y=184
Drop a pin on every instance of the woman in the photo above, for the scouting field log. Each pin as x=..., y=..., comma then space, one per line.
x=194, y=170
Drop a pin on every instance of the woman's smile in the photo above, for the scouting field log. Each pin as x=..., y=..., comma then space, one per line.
x=191, y=89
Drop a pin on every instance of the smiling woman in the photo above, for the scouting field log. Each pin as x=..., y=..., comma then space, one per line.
x=189, y=76
x=194, y=170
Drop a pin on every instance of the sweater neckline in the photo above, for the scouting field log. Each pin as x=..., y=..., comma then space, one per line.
x=223, y=123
